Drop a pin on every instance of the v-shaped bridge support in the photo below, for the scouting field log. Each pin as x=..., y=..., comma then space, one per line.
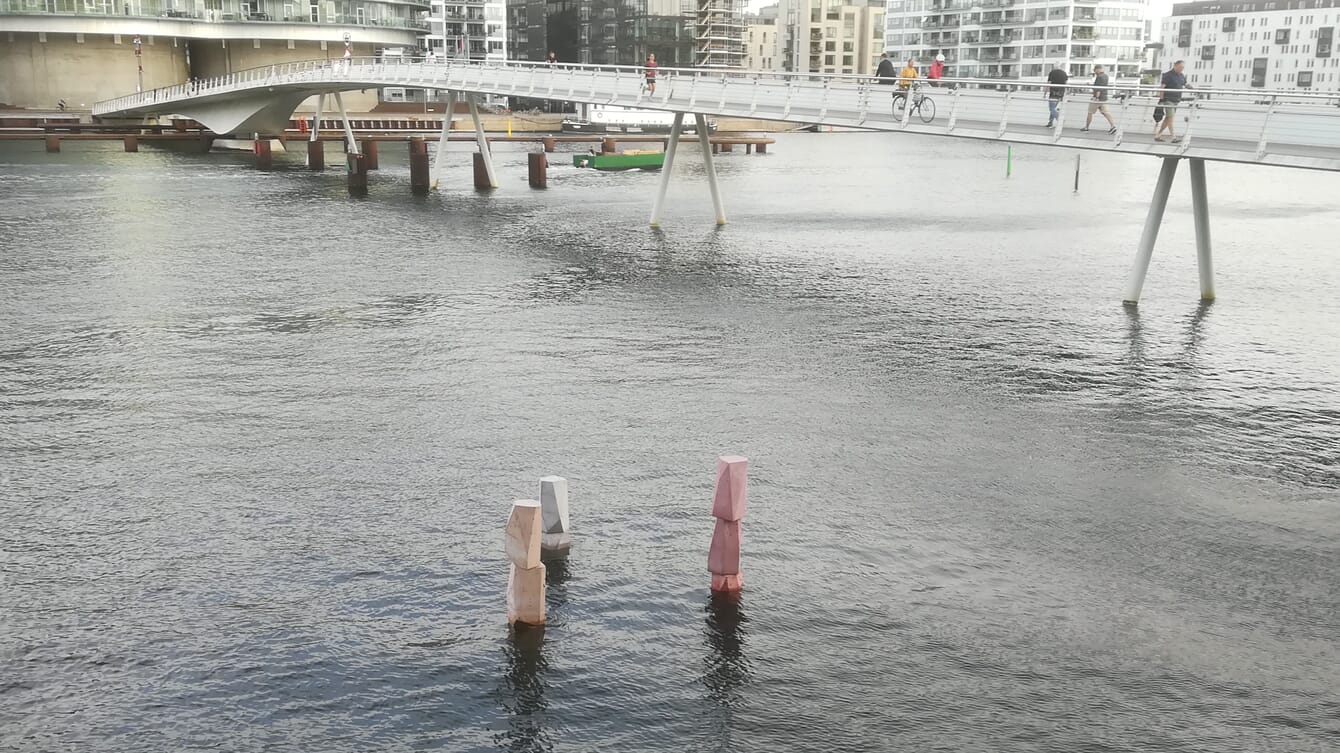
x=1200, y=204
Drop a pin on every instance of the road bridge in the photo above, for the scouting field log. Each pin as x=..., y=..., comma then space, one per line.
x=1263, y=127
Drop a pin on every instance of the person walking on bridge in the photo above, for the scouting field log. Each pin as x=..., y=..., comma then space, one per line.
x=1099, y=103
x=1055, y=93
x=651, y=67
x=1170, y=94
x=885, y=73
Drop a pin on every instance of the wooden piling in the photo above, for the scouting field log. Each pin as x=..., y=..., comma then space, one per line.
x=53, y=143
x=358, y=174
x=419, y=179
x=131, y=142
x=608, y=146
x=369, y=149
x=762, y=148
x=316, y=155
x=726, y=146
x=548, y=142
x=481, y=172
x=264, y=160
x=539, y=169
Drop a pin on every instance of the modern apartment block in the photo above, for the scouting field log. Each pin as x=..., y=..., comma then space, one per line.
x=467, y=29
x=760, y=40
x=603, y=32
x=829, y=36
x=1019, y=39
x=1278, y=44
x=81, y=51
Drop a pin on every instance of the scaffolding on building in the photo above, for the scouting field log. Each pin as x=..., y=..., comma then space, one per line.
x=719, y=34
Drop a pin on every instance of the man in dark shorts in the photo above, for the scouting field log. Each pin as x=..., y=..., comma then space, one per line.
x=650, y=65
x=1170, y=94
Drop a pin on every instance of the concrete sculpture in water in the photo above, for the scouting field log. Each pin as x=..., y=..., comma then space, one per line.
x=556, y=539
x=723, y=557
x=525, y=581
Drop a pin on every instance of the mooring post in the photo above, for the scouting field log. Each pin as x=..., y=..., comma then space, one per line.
x=482, y=179
x=728, y=503
x=358, y=174
x=608, y=146
x=131, y=142
x=727, y=146
x=538, y=164
x=419, y=179
x=548, y=142
x=762, y=148
x=316, y=155
x=369, y=149
x=264, y=160
x=53, y=143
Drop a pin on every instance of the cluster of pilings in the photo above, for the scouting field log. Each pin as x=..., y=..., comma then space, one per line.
x=539, y=530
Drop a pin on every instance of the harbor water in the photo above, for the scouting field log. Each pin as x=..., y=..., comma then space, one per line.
x=258, y=440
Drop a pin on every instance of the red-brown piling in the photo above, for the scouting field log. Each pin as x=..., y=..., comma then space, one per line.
x=539, y=169
x=53, y=143
x=419, y=180
x=316, y=155
x=481, y=172
x=358, y=174
x=264, y=160
x=369, y=149
x=131, y=142
x=548, y=142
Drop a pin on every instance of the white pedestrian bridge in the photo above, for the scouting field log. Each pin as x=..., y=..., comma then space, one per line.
x=1296, y=129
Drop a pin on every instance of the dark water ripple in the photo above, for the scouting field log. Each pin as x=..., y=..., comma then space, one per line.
x=257, y=441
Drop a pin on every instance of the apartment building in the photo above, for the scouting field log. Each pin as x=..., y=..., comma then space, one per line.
x=760, y=40
x=1019, y=39
x=1279, y=44
x=468, y=29
x=829, y=36
x=603, y=32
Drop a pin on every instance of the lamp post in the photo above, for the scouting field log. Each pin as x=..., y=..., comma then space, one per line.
x=139, y=64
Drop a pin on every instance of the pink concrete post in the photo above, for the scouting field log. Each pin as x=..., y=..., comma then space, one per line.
x=525, y=581
x=728, y=502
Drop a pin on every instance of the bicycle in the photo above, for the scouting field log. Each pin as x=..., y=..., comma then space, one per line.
x=922, y=105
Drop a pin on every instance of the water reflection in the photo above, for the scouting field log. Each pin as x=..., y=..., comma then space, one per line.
x=727, y=670
x=522, y=693
x=523, y=688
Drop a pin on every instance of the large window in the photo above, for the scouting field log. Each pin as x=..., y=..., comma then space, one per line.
x=1324, y=41
x=1259, y=72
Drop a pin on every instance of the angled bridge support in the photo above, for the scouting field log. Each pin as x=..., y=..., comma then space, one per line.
x=1201, y=206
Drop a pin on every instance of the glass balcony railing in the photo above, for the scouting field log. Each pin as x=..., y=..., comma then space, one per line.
x=367, y=14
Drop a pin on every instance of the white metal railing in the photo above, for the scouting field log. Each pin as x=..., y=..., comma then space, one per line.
x=1258, y=122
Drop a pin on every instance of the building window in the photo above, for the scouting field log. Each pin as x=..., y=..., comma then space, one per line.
x=1281, y=36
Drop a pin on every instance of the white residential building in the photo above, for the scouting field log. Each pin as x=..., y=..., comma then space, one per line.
x=472, y=29
x=760, y=40
x=1279, y=44
x=1018, y=39
x=829, y=36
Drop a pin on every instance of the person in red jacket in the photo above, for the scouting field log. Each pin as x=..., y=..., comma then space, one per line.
x=650, y=66
x=937, y=70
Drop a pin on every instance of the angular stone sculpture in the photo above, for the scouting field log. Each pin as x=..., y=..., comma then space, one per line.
x=522, y=534
x=525, y=580
x=728, y=496
x=525, y=595
x=723, y=556
x=554, y=511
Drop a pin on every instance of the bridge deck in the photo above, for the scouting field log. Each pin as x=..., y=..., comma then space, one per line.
x=1289, y=129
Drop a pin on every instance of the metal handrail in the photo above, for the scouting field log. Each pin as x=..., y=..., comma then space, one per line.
x=1287, y=125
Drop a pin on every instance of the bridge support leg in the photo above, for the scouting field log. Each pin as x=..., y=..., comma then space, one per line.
x=1200, y=204
x=483, y=142
x=1136, y=282
x=705, y=140
x=350, y=145
x=666, y=168
x=316, y=117
x=418, y=165
x=440, y=161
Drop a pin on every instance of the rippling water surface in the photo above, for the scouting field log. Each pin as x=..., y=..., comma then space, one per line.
x=258, y=441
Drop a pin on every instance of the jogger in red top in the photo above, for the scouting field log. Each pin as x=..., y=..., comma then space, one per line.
x=650, y=65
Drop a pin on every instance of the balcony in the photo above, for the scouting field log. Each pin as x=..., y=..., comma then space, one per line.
x=376, y=15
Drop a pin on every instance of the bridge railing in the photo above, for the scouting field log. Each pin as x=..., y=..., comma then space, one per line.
x=1257, y=118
